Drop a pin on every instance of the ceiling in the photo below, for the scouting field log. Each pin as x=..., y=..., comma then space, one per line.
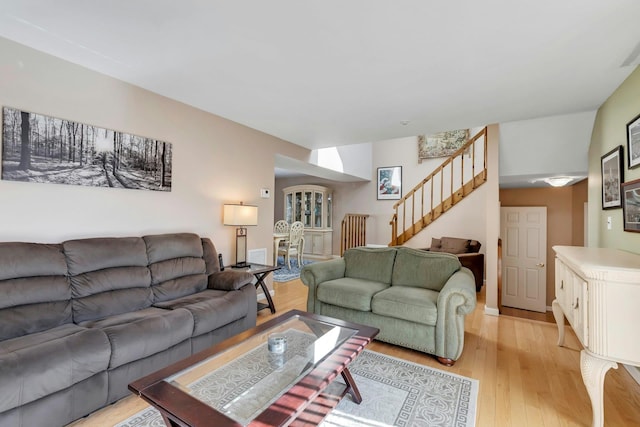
x=329, y=73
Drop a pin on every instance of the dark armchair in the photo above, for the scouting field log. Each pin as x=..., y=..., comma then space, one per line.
x=467, y=251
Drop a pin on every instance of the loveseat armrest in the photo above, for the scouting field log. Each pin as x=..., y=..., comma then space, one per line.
x=229, y=280
x=314, y=274
x=456, y=299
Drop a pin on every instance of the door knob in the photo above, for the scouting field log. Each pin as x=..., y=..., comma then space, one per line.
x=540, y=264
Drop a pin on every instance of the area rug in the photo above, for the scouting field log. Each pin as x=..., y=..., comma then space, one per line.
x=285, y=274
x=395, y=392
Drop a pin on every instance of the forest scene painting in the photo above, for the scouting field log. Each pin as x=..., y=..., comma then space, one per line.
x=39, y=148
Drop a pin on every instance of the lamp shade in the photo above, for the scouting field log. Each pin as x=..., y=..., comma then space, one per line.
x=240, y=215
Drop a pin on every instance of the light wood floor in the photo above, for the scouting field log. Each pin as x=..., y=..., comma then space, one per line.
x=526, y=380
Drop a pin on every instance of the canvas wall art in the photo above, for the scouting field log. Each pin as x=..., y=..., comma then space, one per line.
x=442, y=144
x=45, y=149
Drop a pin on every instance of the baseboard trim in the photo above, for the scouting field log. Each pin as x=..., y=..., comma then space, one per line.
x=491, y=311
x=634, y=372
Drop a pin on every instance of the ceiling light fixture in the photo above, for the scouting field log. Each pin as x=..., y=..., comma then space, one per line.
x=404, y=122
x=558, y=181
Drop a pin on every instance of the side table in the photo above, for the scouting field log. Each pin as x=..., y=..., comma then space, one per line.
x=261, y=271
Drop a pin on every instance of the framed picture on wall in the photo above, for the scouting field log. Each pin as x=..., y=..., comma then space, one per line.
x=633, y=142
x=389, y=183
x=631, y=205
x=612, y=169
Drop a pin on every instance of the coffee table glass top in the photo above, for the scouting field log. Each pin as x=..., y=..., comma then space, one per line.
x=245, y=379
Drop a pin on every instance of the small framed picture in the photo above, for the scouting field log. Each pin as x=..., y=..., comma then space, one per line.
x=633, y=142
x=389, y=183
x=612, y=169
x=631, y=205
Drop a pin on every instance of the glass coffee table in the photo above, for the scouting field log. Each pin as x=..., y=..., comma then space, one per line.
x=276, y=374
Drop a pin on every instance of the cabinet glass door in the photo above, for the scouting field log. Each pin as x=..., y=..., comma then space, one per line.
x=329, y=210
x=317, y=211
x=288, y=208
x=298, y=207
x=307, y=209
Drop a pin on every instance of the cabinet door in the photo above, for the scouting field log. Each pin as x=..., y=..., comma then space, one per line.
x=288, y=207
x=561, y=285
x=318, y=201
x=306, y=209
x=297, y=209
x=318, y=243
x=579, y=308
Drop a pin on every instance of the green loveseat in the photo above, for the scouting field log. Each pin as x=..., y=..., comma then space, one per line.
x=417, y=299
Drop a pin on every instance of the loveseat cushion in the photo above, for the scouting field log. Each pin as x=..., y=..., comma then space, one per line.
x=349, y=292
x=36, y=365
x=211, y=309
x=109, y=276
x=408, y=303
x=35, y=289
x=374, y=264
x=423, y=269
x=136, y=335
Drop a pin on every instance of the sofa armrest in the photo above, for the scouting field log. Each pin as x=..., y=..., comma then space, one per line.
x=229, y=280
x=314, y=274
x=456, y=299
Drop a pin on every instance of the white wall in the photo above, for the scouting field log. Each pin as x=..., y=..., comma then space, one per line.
x=215, y=161
x=547, y=145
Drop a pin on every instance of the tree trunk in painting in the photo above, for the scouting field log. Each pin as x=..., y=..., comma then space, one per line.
x=25, y=148
x=164, y=159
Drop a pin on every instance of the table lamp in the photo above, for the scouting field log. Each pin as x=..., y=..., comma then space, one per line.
x=241, y=216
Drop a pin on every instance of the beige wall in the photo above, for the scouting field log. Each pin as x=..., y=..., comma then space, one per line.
x=609, y=131
x=565, y=213
x=214, y=160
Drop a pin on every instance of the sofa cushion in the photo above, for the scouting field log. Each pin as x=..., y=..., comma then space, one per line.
x=408, y=303
x=349, y=292
x=36, y=365
x=109, y=276
x=374, y=264
x=211, y=309
x=136, y=335
x=423, y=269
x=161, y=247
x=176, y=265
x=35, y=290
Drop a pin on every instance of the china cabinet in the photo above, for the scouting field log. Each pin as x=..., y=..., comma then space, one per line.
x=311, y=204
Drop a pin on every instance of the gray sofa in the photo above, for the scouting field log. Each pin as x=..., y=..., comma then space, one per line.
x=82, y=319
x=417, y=299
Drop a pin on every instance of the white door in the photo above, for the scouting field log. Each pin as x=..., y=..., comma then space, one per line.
x=524, y=253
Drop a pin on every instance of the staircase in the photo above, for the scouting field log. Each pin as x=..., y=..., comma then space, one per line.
x=457, y=177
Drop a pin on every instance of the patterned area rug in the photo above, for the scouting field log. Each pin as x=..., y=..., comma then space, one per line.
x=285, y=274
x=394, y=392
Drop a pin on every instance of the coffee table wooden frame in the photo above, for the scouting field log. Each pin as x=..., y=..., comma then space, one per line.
x=304, y=404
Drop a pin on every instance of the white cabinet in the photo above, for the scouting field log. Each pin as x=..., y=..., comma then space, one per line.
x=598, y=290
x=311, y=204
